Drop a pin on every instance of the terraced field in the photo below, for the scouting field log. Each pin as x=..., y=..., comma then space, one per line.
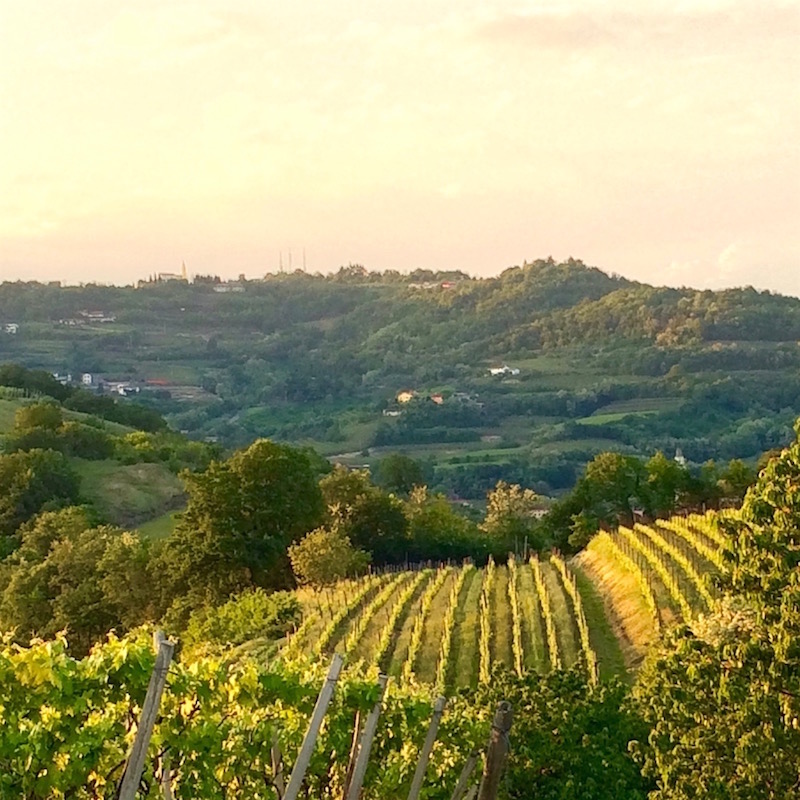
x=451, y=626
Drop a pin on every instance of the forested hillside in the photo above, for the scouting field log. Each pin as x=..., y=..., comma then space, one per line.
x=594, y=363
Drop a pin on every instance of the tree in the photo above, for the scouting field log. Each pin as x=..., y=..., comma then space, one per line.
x=723, y=693
x=399, y=474
x=38, y=415
x=324, y=556
x=67, y=574
x=666, y=481
x=241, y=516
x=371, y=519
x=437, y=532
x=510, y=517
x=29, y=482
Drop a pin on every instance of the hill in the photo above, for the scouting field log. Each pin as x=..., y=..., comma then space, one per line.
x=128, y=477
x=594, y=362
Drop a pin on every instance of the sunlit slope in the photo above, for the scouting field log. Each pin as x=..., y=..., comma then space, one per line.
x=451, y=626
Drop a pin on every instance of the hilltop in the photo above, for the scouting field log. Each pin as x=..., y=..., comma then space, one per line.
x=594, y=362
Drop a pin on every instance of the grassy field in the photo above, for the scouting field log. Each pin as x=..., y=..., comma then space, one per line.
x=158, y=528
x=128, y=495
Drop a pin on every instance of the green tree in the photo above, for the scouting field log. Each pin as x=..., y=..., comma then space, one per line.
x=666, y=482
x=48, y=416
x=437, y=532
x=399, y=474
x=510, y=518
x=67, y=574
x=324, y=556
x=241, y=516
x=372, y=519
x=29, y=482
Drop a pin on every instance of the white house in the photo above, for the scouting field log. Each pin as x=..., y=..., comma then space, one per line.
x=504, y=370
x=11, y=327
x=86, y=378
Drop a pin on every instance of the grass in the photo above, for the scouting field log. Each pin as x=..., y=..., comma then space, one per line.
x=500, y=607
x=623, y=604
x=129, y=494
x=604, y=419
x=8, y=409
x=465, y=636
x=561, y=608
x=158, y=528
x=428, y=655
x=601, y=634
x=533, y=635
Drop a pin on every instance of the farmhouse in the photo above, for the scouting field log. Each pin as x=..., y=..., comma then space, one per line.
x=504, y=370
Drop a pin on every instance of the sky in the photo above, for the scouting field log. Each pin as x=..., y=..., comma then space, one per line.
x=657, y=140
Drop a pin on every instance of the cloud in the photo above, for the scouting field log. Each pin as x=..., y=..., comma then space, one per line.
x=693, y=28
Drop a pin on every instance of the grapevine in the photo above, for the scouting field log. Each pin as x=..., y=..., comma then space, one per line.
x=660, y=569
x=399, y=607
x=571, y=587
x=447, y=628
x=415, y=641
x=679, y=527
x=681, y=560
x=547, y=614
x=358, y=628
x=516, y=616
x=628, y=563
x=341, y=615
x=486, y=622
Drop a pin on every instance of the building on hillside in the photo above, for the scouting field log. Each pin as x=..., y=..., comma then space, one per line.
x=437, y=398
x=97, y=316
x=504, y=370
x=86, y=378
x=11, y=327
x=406, y=396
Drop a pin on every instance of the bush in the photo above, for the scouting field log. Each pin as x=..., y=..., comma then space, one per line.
x=248, y=616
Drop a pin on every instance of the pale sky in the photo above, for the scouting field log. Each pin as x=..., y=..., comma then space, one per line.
x=657, y=140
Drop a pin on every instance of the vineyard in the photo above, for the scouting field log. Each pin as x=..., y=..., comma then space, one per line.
x=235, y=727
x=450, y=626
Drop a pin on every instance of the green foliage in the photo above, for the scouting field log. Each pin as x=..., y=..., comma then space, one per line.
x=723, y=694
x=38, y=415
x=510, y=518
x=569, y=738
x=67, y=574
x=373, y=520
x=399, y=474
x=32, y=481
x=437, y=532
x=241, y=516
x=324, y=556
x=68, y=726
x=250, y=615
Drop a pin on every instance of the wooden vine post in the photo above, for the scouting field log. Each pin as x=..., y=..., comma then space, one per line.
x=307, y=748
x=427, y=747
x=496, y=752
x=365, y=744
x=134, y=767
